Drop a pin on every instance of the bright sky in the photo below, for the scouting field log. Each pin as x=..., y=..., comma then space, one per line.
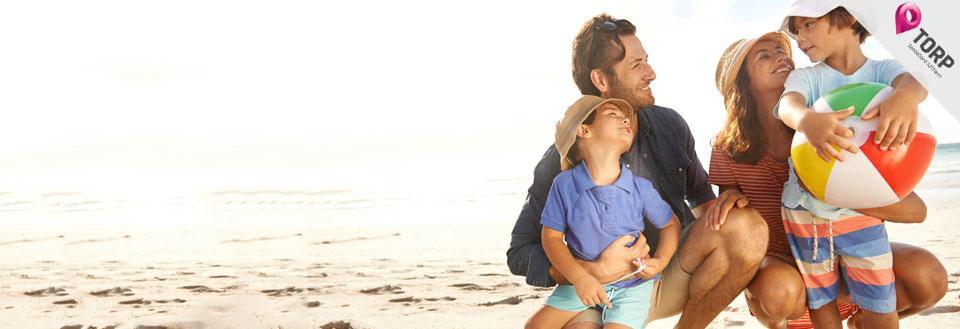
x=167, y=94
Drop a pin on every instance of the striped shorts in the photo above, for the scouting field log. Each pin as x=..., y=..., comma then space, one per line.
x=859, y=243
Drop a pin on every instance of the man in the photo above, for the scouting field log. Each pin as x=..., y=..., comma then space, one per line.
x=711, y=266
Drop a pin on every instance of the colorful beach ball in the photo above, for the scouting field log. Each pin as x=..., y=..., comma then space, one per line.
x=871, y=178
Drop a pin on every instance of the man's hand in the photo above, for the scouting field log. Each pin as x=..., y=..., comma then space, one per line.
x=617, y=259
x=591, y=292
x=827, y=134
x=717, y=213
x=653, y=266
x=898, y=121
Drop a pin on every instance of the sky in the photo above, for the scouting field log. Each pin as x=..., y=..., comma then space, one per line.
x=174, y=95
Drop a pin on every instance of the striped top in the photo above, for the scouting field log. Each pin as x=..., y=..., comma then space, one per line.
x=762, y=184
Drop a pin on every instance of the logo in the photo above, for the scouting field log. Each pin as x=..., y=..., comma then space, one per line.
x=907, y=17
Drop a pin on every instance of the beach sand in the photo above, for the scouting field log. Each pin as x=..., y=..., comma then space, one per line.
x=355, y=274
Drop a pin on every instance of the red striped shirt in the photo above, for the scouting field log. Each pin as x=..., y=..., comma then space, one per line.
x=762, y=183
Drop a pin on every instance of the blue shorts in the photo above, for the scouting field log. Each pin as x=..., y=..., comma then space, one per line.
x=630, y=305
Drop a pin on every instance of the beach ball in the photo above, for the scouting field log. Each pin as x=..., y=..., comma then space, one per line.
x=871, y=178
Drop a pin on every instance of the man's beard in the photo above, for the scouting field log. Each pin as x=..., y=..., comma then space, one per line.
x=617, y=90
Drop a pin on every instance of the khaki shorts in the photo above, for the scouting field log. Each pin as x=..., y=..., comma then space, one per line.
x=671, y=292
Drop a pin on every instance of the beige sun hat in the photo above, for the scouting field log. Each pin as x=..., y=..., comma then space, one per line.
x=578, y=112
x=807, y=8
x=732, y=58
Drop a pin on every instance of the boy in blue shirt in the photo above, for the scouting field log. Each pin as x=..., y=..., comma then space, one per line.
x=591, y=205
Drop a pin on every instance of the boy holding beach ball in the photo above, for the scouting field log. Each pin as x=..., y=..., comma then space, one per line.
x=592, y=202
x=820, y=233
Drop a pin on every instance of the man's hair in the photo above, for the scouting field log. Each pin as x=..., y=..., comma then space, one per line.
x=609, y=50
x=839, y=18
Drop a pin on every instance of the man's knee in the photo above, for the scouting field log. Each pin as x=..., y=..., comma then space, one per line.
x=745, y=234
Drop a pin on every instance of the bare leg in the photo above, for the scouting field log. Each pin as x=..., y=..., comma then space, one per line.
x=722, y=263
x=549, y=318
x=879, y=320
x=826, y=317
x=589, y=319
x=776, y=293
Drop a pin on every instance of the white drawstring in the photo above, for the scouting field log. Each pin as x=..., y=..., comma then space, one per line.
x=816, y=241
x=639, y=269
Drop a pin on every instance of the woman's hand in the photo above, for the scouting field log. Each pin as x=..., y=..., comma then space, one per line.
x=827, y=134
x=717, y=213
x=591, y=292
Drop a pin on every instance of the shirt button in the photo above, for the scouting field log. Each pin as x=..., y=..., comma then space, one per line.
x=628, y=166
x=680, y=169
x=644, y=155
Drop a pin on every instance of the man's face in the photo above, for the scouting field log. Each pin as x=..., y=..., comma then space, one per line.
x=632, y=75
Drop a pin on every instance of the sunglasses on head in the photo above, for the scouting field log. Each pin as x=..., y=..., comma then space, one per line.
x=606, y=27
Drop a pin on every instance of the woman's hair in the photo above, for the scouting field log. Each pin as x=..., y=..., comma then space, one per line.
x=741, y=138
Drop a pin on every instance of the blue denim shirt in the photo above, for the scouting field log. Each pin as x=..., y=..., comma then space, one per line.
x=665, y=147
x=591, y=217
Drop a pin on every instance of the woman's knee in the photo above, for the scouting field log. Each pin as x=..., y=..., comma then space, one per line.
x=920, y=272
x=777, y=289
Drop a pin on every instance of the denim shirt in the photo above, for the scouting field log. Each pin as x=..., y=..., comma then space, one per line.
x=666, y=148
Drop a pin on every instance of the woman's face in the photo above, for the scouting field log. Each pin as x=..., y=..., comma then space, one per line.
x=768, y=66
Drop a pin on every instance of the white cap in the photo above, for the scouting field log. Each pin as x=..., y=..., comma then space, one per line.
x=807, y=8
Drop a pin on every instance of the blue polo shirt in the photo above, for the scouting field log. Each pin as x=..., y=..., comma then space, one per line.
x=592, y=216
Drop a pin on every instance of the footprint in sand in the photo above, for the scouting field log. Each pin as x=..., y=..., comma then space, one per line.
x=391, y=289
x=285, y=292
x=51, y=291
x=941, y=309
x=337, y=325
x=469, y=287
x=201, y=289
x=511, y=300
x=117, y=291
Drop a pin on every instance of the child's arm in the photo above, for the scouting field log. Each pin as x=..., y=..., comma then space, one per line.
x=589, y=290
x=669, y=240
x=898, y=113
x=824, y=130
x=911, y=209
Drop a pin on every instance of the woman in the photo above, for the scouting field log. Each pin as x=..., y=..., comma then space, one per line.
x=749, y=165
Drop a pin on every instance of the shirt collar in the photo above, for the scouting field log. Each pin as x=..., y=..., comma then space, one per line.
x=583, y=182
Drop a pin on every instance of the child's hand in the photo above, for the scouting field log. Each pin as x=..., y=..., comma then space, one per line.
x=827, y=134
x=653, y=267
x=898, y=121
x=591, y=292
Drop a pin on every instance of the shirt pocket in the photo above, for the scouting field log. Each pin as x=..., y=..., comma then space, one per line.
x=676, y=173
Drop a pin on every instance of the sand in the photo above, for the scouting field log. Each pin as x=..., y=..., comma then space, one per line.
x=357, y=273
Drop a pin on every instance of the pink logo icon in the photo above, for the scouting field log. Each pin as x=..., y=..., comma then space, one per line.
x=904, y=22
